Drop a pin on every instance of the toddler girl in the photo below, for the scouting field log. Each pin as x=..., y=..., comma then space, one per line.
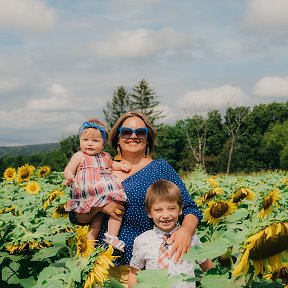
x=93, y=185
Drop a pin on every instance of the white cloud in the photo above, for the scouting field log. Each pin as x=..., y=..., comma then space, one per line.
x=272, y=87
x=267, y=17
x=58, y=99
x=33, y=15
x=139, y=43
x=214, y=98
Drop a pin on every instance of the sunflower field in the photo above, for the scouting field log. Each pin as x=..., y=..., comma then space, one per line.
x=244, y=232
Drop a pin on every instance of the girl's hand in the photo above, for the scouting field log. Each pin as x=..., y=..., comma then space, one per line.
x=113, y=209
x=69, y=181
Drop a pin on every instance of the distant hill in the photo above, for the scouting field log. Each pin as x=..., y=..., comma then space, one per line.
x=28, y=149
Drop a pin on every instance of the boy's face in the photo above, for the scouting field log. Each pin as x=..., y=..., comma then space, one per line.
x=165, y=214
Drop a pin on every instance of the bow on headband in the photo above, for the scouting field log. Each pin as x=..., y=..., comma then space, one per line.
x=102, y=130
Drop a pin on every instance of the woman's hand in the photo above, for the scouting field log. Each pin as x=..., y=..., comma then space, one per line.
x=181, y=238
x=181, y=241
x=113, y=209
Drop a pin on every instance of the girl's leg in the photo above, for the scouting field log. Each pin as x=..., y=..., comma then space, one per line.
x=87, y=217
x=94, y=226
x=114, y=225
x=111, y=236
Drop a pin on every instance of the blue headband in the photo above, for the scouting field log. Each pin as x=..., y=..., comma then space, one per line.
x=102, y=130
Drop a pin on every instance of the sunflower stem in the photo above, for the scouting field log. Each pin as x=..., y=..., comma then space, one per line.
x=249, y=282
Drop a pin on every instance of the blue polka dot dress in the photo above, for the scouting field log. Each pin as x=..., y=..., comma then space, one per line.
x=135, y=220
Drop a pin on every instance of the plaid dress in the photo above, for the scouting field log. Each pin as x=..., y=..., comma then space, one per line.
x=94, y=185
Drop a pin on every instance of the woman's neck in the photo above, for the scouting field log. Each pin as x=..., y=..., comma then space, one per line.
x=136, y=161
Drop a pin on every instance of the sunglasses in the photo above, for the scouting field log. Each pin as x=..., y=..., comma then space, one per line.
x=140, y=133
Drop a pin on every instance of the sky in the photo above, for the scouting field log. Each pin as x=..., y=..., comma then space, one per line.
x=62, y=60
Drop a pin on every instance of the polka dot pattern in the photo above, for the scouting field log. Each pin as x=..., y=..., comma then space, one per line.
x=135, y=220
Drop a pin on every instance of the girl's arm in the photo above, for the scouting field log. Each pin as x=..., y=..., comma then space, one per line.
x=117, y=166
x=132, y=277
x=71, y=168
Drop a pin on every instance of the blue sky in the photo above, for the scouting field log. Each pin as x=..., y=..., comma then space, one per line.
x=62, y=60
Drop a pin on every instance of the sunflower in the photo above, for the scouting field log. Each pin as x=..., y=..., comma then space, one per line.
x=33, y=187
x=84, y=246
x=242, y=193
x=28, y=246
x=218, y=210
x=99, y=272
x=43, y=171
x=24, y=172
x=8, y=209
x=282, y=274
x=60, y=211
x=265, y=247
x=268, y=202
x=10, y=174
x=212, y=181
x=285, y=181
x=209, y=195
x=52, y=195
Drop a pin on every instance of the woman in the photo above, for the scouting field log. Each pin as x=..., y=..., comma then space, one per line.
x=134, y=137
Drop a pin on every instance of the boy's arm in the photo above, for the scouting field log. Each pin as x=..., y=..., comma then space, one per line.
x=71, y=168
x=132, y=277
x=207, y=265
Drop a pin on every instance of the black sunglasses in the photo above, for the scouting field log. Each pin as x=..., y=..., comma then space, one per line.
x=140, y=133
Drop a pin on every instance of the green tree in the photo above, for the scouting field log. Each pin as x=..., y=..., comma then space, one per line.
x=275, y=145
x=120, y=104
x=234, y=121
x=195, y=130
x=216, y=138
x=170, y=144
x=144, y=99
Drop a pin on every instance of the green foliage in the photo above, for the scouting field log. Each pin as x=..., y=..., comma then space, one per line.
x=157, y=279
x=119, y=105
x=144, y=99
x=170, y=144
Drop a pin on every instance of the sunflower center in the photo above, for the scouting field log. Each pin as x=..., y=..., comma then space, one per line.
x=238, y=196
x=82, y=245
x=61, y=209
x=267, y=202
x=25, y=174
x=210, y=194
x=218, y=209
x=275, y=244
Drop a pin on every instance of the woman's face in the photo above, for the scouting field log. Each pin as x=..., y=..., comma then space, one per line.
x=133, y=144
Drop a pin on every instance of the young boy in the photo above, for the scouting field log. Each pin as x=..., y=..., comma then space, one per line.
x=163, y=204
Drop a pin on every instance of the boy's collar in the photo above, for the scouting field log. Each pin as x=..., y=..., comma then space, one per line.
x=161, y=232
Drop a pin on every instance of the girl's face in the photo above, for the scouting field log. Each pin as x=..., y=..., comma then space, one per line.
x=134, y=144
x=91, y=141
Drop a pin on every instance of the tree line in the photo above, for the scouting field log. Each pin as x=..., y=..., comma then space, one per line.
x=244, y=139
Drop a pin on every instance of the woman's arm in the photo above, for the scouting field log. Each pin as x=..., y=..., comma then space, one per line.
x=181, y=238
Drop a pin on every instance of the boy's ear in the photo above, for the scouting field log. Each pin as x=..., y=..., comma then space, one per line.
x=149, y=214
